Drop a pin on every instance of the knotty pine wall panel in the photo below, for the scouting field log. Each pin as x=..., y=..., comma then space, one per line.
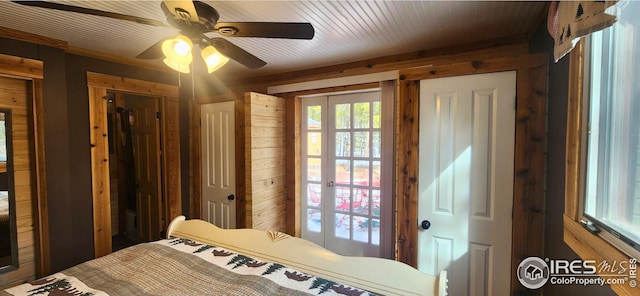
x=264, y=130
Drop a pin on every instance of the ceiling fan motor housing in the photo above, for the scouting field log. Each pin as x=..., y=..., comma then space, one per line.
x=180, y=18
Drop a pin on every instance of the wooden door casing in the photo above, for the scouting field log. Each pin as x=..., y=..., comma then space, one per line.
x=98, y=84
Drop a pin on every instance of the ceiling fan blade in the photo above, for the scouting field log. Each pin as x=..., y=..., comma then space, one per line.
x=182, y=9
x=266, y=30
x=236, y=53
x=77, y=9
x=153, y=52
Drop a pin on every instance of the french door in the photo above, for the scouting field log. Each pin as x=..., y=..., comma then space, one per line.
x=346, y=176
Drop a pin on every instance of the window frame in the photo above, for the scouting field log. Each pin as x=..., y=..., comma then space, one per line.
x=587, y=245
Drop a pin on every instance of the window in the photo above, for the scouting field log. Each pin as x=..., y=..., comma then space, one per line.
x=612, y=130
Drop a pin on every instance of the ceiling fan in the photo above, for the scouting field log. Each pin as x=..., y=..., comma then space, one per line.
x=194, y=19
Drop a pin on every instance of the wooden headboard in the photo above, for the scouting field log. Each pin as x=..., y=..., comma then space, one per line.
x=377, y=275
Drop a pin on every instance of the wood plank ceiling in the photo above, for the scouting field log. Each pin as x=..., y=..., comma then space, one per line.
x=346, y=31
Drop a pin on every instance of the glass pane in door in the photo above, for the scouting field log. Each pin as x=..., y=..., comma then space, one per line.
x=377, y=118
x=343, y=144
x=361, y=144
x=375, y=144
x=361, y=116
x=343, y=116
x=314, y=193
x=314, y=117
x=343, y=199
x=314, y=220
x=314, y=169
x=343, y=171
x=314, y=143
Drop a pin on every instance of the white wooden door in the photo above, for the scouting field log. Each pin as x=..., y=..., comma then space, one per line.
x=218, y=164
x=346, y=202
x=467, y=127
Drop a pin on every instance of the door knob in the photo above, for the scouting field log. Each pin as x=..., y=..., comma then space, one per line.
x=425, y=224
x=231, y=197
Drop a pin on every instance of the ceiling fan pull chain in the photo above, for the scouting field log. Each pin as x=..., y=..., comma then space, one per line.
x=193, y=82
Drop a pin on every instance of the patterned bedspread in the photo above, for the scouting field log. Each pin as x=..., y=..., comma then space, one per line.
x=180, y=267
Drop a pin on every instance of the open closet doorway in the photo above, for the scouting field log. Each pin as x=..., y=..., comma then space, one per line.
x=137, y=205
x=156, y=202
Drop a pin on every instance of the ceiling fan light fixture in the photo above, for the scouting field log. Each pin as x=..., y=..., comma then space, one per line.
x=213, y=58
x=178, y=49
x=180, y=67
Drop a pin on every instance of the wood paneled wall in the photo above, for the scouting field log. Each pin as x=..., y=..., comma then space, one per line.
x=264, y=130
x=530, y=139
x=65, y=182
x=15, y=94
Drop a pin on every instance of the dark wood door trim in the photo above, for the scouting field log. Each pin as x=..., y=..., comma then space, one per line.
x=98, y=85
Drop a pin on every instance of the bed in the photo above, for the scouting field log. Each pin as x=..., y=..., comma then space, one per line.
x=199, y=258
